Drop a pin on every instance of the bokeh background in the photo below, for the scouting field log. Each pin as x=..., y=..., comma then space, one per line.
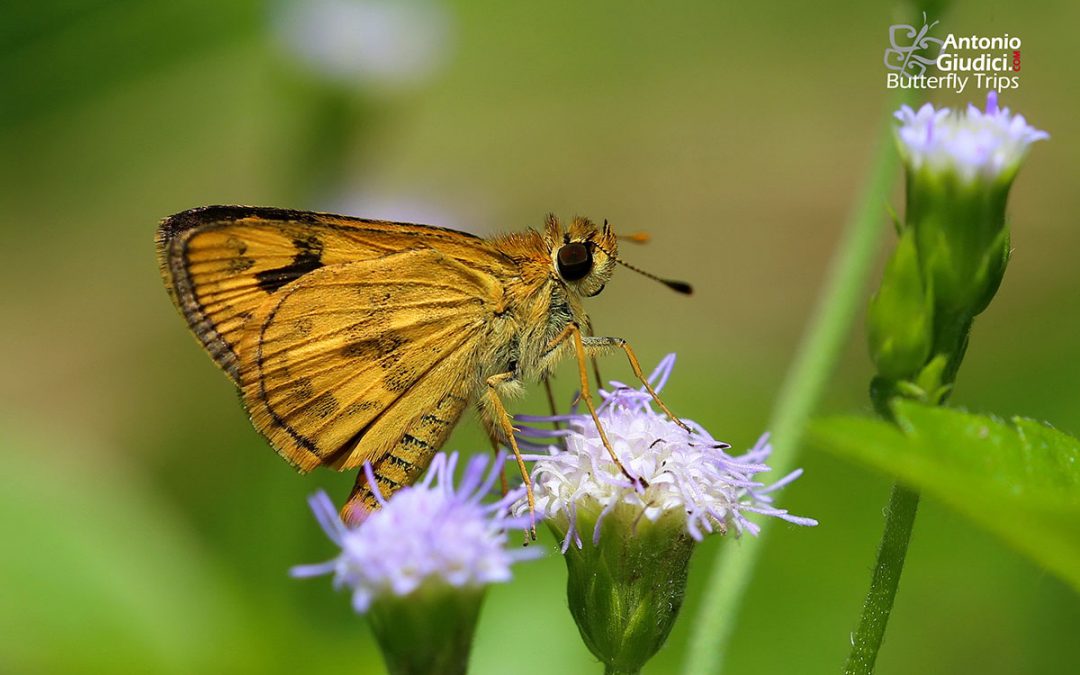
x=146, y=527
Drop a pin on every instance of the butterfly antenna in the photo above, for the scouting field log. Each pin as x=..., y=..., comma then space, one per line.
x=642, y=238
x=677, y=286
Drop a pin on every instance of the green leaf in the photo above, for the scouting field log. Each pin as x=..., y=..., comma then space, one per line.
x=1019, y=479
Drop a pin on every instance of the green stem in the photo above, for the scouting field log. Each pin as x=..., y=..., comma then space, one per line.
x=899, y=519
x=837, y=307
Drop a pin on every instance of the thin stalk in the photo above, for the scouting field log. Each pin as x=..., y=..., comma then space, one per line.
x=831, y=323
x=899, y=519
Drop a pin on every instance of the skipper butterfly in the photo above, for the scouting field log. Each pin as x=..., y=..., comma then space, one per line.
x=358, y=341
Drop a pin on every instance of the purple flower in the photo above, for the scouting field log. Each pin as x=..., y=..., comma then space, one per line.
x=430, y=534
x=685, y=476
x=972, y=144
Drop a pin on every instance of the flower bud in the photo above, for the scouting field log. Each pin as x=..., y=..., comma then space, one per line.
x=429, y=633
x=625, y=588
x=959, y=168
x=900, y=322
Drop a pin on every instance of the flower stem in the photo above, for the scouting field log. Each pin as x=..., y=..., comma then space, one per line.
x=830, y=325
x=899, y=519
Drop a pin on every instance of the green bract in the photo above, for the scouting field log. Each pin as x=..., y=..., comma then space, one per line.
x=900, y=318
x=626, y=589
x=429, y=632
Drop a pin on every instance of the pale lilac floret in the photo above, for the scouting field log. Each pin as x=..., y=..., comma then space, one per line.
x=683, y=472
x=430, y=533
x=974, y=143
x=389, y=44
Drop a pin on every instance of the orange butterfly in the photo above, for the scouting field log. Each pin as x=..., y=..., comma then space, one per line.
x=358, y=341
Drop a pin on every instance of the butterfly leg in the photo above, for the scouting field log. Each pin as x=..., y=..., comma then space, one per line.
x=573, y=331
x=592, y=357
x=554, y=409
x=586, y=395
x=504, y=487
x=620, y=343
x=502, y=418
x=551, y=400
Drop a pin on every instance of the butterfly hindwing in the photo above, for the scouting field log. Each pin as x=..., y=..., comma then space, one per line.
x=338, y=366
x=221, y=263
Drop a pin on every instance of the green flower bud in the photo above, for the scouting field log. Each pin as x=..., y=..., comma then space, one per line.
x=429, y=632
x=959, y=227
x=960, y=167
x=626, y=589
x=900, y=319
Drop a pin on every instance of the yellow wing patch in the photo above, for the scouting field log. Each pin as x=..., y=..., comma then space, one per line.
x=221, y=263
x=340, y=365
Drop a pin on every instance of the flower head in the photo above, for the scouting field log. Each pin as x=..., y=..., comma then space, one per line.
x=977, y=143
x=955, y=241
x=386, y=44
x=626, y=583
x=430, y=534
x=685, y=475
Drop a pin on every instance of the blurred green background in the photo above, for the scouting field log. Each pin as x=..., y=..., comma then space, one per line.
x=146, y=527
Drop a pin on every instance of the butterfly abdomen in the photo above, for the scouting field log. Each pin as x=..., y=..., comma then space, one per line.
x=406, y=460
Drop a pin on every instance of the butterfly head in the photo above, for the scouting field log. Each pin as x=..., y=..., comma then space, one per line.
x=583, y=255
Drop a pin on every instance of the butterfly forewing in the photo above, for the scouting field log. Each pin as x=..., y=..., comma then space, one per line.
x=341, y=365
x=221, y=263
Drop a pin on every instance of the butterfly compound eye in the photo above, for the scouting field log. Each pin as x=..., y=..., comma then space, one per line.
x=575, y=261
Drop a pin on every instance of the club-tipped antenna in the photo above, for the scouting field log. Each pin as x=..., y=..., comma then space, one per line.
x=636, y=237
x=641, y=238
x=677, y=286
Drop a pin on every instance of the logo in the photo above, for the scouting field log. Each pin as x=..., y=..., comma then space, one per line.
x=958, y=61
x=911, y=60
